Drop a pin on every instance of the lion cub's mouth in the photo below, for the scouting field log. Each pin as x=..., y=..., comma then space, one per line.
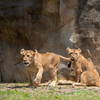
x=73, y=60
x=26, y=64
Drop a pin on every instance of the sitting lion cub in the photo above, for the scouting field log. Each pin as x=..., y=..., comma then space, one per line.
x=83, y=67
x=39, y=62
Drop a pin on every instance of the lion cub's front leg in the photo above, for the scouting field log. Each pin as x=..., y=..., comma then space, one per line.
x=31, y=78
x=37, y=80
x=78, y=73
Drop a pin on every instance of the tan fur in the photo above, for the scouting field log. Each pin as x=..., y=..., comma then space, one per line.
x=39, y=62
x=83, y=67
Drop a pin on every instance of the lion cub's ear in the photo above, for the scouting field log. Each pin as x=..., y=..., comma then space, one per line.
x=36, y=51
x=22, y=51
x=79, y=50
x=68, y=49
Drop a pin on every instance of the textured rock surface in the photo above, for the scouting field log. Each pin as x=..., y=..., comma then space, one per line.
x=47, y=25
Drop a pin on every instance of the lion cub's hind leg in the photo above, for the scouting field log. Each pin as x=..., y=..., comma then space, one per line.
x=98, y=84
x=53, y=72
x=88, y=78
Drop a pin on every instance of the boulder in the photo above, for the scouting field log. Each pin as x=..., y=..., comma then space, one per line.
x=48, y=26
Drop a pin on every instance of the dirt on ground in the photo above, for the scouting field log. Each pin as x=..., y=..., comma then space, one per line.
x=62, y=87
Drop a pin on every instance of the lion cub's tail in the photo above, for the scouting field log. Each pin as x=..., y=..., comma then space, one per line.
x=64, y=58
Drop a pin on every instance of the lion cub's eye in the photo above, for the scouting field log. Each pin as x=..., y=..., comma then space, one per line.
x=23, y=55
x=76, y=53
x=71, y=53
x=28, y=55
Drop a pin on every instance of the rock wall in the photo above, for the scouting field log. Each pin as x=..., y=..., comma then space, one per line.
x=48, y=26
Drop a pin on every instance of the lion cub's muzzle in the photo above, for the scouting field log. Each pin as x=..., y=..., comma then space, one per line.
x=73, y=59
x=26, y=63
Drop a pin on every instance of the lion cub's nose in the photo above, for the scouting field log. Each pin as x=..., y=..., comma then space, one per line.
x=24, y=61
x=72, y=57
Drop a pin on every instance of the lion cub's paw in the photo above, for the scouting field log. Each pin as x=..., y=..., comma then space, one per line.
x=73, y=85
x=52, y=83
x=35, y=84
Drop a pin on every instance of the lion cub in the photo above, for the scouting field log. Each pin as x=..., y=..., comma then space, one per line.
x=83, y=67
x=39, y=62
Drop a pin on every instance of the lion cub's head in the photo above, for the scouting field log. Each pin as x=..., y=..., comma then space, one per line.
x=73, y=54
x=27, y=56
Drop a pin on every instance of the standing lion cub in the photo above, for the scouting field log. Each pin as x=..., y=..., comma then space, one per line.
x=83, y=67
x=39, y=62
